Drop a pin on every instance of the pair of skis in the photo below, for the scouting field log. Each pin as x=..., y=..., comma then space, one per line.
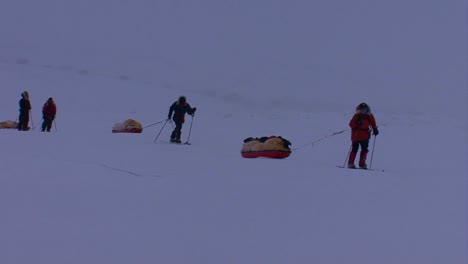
x=180, y=143
x=360, y=169
x=190, y=131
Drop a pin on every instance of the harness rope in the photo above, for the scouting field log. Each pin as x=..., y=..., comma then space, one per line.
x=320, y=139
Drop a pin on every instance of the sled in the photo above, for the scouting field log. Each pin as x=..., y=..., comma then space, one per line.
x=273, y=147
x=133, y=130
x=8, y=125
x=128, y=126
x=273, y=154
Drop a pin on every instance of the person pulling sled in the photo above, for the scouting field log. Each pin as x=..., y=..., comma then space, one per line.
x=177, y=112
x=360, y=125
x=49, y=111
x=25, y=108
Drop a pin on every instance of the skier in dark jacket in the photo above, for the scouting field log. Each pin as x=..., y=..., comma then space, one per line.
x=49, y=110
x=179, y=108
x=360, y=125
x=25, y=108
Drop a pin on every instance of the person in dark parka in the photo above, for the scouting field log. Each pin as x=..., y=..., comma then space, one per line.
x=179, y=108
x=49, y=110
x=25, y=108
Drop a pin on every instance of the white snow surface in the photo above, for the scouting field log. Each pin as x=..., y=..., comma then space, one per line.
x=297, y=69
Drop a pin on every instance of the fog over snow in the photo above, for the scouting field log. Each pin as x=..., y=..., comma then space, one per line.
x=252, y=68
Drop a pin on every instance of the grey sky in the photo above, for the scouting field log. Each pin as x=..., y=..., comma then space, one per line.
x=402, y=55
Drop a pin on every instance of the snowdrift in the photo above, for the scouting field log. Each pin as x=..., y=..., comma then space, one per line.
x=8, y=124
x=274, y=147
x=128, y=126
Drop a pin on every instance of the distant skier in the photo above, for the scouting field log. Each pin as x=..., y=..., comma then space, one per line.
x=25, y=108
x=49, y=110
x=360, y=125
x=179, y=108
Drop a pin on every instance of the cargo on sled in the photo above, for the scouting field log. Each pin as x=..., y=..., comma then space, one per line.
x=274, y=147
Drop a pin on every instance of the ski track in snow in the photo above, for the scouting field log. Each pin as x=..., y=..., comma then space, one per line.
x=122, y=171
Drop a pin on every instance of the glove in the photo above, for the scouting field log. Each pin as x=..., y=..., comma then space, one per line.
x=375, y=132
x=193, y=111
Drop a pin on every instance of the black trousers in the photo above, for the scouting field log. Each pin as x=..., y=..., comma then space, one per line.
x=363, y=143
x=23, y=120
x=47, y=124
x=177, y=130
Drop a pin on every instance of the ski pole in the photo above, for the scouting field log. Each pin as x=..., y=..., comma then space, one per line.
x=372, y=154
x=347, y=156
x=42, y=120
x=349, y=151
x=32, y=119
x=55, y=125
x=161, y=129
x=190, y=131
x=154, y=124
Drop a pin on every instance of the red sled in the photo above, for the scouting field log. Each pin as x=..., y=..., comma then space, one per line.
x=133, y=130
x=273, y=154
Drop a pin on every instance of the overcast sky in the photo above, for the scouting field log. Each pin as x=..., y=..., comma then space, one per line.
x=402, y=55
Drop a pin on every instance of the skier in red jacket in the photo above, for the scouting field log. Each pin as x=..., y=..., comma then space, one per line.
x=49, y=110
x=360, y=125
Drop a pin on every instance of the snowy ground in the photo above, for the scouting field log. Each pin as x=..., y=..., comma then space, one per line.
x=82, y=194
x=291, y=68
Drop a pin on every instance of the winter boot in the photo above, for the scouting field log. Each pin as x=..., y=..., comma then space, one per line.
x=362, y=160
x=178, y=134
x=352, y=156
x=173, y=136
